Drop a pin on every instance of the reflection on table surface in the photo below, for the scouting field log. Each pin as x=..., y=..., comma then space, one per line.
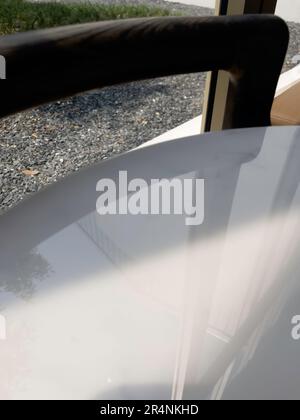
x=145, y=307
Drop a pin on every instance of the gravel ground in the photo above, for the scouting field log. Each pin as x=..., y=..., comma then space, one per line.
x=58, y=139
x=173, y=7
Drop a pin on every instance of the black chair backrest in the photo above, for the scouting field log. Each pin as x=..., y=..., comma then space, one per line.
x=43, y=66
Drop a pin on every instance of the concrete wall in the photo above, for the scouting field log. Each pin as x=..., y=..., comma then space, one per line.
x=204, y=3
x=288, y=9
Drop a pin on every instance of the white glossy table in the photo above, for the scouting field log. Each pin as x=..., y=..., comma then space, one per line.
x=145, y=307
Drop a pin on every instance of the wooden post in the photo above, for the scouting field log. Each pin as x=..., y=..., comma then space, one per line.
x=217, y=92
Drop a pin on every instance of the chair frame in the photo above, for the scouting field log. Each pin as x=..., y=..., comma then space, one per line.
x=47, y=65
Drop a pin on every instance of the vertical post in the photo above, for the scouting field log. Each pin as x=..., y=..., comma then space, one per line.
x=2, y=67
x=217, y=93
